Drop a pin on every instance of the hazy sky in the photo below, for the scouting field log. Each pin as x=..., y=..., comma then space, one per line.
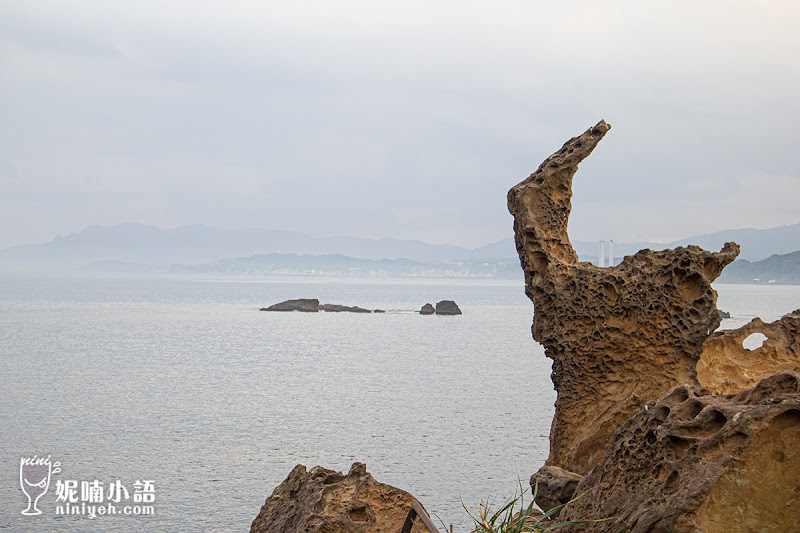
x=404, y=119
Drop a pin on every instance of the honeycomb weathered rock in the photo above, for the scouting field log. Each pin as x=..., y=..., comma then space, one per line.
x=324, y=501
x=689, y=463
x=618, y=336
x=726, y=366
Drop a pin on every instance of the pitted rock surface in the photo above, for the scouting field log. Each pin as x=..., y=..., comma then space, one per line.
x=553, y=486
x=324, y=501
x=618, y=336
x=726, y=366
x=688, y=463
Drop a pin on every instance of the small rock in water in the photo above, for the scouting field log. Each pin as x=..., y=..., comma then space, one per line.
x=302, y=305
x=724, y=314
x=447, y=307
x=313, y=306
x=336, y=308
x=427, y=309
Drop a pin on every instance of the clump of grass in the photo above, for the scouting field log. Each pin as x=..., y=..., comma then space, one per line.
x=513, y=516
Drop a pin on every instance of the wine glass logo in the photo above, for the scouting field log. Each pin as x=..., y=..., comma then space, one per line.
x=34, y=478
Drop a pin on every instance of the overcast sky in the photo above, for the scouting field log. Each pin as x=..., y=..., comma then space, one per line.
x=403, y=119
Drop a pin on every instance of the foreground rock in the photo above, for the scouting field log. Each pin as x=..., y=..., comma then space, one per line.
x=554, y=486
x=447, y=307
x=302, y=305
x=688, y=463
x=726, y=366
x=618, y=336
x=324, y=501
x=427, y=309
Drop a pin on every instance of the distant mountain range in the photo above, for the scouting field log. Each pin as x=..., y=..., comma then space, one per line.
x=341, y=265
x=756, y=244
x=779, y=269
x=138, y=243
x=137, y=247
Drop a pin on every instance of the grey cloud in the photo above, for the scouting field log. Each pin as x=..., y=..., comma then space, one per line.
x=414, y=117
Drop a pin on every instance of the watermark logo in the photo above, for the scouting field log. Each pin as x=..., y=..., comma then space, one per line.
x=34, y=479
x=84, y=498
x=93, y=498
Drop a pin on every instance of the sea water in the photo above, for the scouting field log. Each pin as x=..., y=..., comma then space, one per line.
x=183, y=382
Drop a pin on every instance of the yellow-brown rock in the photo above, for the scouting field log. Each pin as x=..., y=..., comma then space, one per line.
x=726, y=366
x=618, y=336
x=553, y=486
x=689, y=463
x=324, y=501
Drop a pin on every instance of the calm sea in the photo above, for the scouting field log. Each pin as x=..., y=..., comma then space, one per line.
x=183, y=382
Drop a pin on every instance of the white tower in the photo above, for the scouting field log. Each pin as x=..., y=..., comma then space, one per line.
x=602, y=259
x=611, y=253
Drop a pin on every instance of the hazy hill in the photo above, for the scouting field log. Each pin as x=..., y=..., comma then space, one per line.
x=293, y=263
x=149, y=245
x=322, y=265
x=756, y=244
x=138, y=243
x=780, y=269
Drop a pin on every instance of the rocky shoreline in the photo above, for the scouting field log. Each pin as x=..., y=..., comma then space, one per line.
x=660, y=425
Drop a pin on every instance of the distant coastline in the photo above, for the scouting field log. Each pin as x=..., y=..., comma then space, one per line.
x=776, y=269
x=141, y=249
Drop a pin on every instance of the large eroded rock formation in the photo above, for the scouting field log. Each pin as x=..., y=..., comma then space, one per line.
x=324, y=501
x=618, y=336
x=689, y=463
x=726, y=366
